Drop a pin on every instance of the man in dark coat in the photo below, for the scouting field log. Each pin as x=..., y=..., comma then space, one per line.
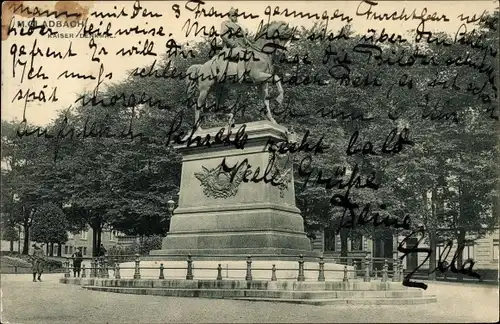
x=77, y=262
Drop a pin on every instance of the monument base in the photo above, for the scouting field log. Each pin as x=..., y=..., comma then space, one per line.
x=239, y=212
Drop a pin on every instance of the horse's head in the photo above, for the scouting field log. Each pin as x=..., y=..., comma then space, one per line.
x=277, y=32
x=281, y=31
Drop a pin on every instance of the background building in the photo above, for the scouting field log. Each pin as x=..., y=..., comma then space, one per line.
x=83, y=239
x=484, y=251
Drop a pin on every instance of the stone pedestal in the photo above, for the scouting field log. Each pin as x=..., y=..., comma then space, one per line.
x=217, y=216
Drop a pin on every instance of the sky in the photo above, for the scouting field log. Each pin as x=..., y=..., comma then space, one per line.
x=41, y=113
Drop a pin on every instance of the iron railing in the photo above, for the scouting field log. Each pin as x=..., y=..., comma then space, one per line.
x=361, y=268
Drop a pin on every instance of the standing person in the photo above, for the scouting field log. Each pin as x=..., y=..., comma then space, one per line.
x=102, y=251
x=38, y=262
x=77, y=262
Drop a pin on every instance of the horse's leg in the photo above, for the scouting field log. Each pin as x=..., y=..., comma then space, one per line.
x=263, y=78
x=202, y=99
x=230, y=121
x=264, y=93
x=197, y=113
x=219, y=96
x=279, y=98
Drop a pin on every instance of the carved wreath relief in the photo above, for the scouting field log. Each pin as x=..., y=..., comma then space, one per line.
x=217, y=184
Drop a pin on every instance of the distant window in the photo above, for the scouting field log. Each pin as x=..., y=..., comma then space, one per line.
x=330, y=239
x=356, y=242
x=84, y=251
x=71, y=250
x=468, y=252
x=83, y=235
x=495, y=249
x=439, y=248
x=66, y=249
x=70, y=236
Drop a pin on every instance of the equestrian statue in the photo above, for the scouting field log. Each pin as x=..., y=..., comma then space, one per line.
x=240, y=60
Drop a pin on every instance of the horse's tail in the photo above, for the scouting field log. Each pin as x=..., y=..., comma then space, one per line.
x=192, y=79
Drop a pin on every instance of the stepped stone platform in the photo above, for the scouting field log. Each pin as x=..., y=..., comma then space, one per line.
x=307, y=292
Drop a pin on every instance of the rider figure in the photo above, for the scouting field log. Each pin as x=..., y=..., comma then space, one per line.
x=235, y=41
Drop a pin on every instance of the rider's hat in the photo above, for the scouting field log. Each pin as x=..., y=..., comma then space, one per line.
x=232, y=12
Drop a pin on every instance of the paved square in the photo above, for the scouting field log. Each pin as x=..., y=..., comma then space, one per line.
x=24, y=301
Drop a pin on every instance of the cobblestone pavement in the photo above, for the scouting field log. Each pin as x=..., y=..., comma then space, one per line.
x=24, y=301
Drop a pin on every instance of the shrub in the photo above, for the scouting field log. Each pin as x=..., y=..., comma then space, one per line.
x=127, y=253
x=151, y=243
x=15, y=262
x=52, y=265
x=122, y=254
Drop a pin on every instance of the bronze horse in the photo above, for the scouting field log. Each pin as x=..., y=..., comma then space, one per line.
x=271, y=38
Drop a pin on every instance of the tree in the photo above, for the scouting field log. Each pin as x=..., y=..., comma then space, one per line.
x=25, y=162
x=122, y=181
x=444, y=179
x=9, y=233
x=50, y=226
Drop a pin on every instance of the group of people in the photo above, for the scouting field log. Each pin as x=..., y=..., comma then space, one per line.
x=38, y=258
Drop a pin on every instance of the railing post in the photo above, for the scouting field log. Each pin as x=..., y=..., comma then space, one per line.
x=375, y=274
x=219, y=272
x=137, y=272
x=248, y=276
x=161, y=276
x=117, y=271
x=367, y=270
x=355, y=269
x=384, y=271
x=321, y=272
x=189, y=275
x=273, y=273
x=395, y=274
x=92, y=268
x=301, y=276
x=100, y=263
x=345, y=279
x=84, y=271
x=96, y=268
x=105, y=270
x=401, y=271
x=372, y=262
x=67, y=274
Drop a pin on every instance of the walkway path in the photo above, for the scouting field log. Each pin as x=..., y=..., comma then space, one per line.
x=24, y=301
